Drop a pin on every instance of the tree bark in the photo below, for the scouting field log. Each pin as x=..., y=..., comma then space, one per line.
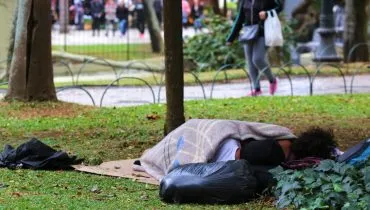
x=63, y=16
x=355, y=31
x=174, y=64
x=153, y=27
x=5, y=77
x=31, y=70
x=216, y=7
x=225, y=8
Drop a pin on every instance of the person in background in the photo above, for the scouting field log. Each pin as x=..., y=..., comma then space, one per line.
x=79, y=14
x=54, y=14
x=110, y=9
x=122, y=15
x=140, y=17
x=186, y=10
x=197, y=14
x=158, y=7
x=96, y=8
x=252, y=12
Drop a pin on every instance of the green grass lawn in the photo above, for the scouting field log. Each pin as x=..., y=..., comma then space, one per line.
x=119, y=133
x=111, y=51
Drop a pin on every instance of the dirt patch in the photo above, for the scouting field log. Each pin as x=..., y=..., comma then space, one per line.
x=44, y=109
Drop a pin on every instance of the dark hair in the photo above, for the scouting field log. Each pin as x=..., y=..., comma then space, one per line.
x=315, y=142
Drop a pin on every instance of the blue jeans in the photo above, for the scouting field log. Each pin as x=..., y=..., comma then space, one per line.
x=198, y=23
x=255, y=53
x=123, y=26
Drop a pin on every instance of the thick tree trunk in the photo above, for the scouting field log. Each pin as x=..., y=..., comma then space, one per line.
x=355, y=30
x=63, y=16
x=216, y=7
x=174, y=64
x=154, y=27
x=31, y=70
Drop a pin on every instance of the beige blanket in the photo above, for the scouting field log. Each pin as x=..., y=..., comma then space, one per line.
x=197, y=141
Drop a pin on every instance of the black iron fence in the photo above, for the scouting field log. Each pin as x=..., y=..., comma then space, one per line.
x=150, y=89
x=109, y=43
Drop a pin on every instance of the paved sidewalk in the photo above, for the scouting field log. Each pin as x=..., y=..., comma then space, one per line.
x=75, y=37
x=131, y=96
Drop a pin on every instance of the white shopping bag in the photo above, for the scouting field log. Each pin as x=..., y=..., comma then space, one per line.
x=273, y=32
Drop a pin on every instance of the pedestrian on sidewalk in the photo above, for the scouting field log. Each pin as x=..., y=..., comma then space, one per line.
x=110, y=9
x=122, y=15
x=158, y=7
x=96, y=7
x=140, y=17
x=79, y=14
x=254, y=13
x=197, y=14
x=186, y=10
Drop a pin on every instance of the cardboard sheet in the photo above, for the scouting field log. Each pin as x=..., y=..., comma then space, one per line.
x=120, y=168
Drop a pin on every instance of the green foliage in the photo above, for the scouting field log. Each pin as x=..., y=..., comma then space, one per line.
x=209, y=50
x=330, y=185
x=289, y=39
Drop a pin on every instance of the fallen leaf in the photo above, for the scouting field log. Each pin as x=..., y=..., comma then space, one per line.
x=17, y=194
x=95, y=189
x=153, y=116
x=144, y=197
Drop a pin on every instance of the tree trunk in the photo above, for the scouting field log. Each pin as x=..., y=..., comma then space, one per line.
x=225, y=8
x=31, y=69
x=355, y=31
x=5, y=77
x=216, y=7
x=153, y=27
x=63, y=16
x=174, y=64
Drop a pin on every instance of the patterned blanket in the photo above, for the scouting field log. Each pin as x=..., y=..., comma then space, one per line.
x=197, y=141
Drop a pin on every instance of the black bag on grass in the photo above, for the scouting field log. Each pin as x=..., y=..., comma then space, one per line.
x=36, y=155
x=219, y=182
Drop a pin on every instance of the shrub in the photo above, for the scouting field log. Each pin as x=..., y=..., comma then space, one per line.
x=330, y=185
x=209, y=50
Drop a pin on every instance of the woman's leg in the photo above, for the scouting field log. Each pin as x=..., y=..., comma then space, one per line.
x=107, y=22
x=98, y=25
x=114, y=25
x=253, y=71
x=259, y=58
x=94, y=25
x=141, y=26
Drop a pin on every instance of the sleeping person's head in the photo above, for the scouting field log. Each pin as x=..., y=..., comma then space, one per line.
x=315, y=142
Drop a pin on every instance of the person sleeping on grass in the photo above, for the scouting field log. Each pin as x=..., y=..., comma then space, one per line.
x=215, y=140
x=315, y=142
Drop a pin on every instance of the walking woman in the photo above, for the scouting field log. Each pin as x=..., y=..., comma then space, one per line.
x=254, y=13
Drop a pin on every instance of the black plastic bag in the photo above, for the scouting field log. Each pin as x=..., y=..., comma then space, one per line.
x=219, y=182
